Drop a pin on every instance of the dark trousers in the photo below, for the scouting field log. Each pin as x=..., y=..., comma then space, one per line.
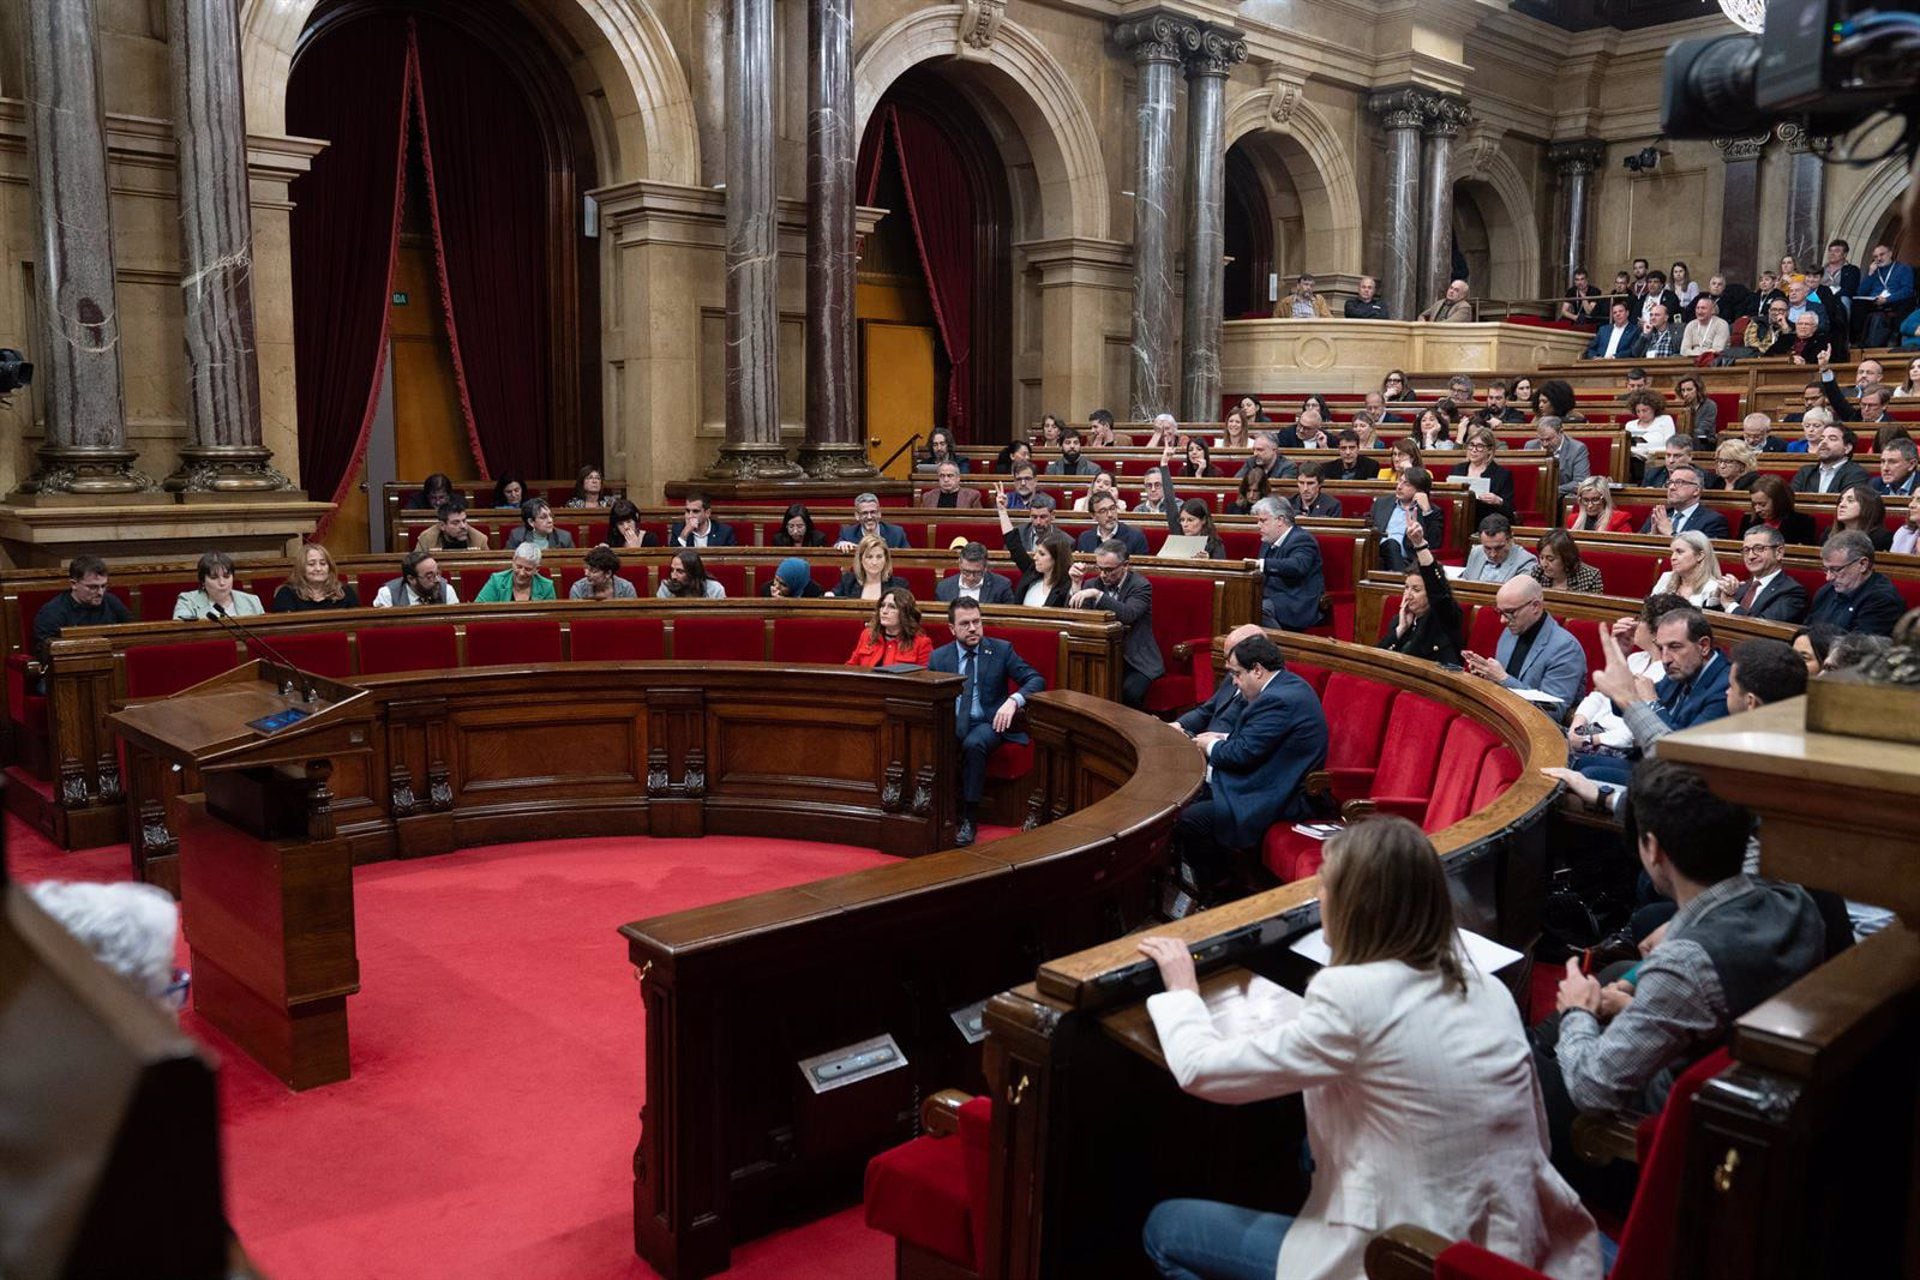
x=1609, y=1186
x=1133, y=687
x=976, y=744
x=1193, y=838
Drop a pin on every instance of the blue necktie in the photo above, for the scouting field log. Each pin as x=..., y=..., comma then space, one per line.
x=967, y=707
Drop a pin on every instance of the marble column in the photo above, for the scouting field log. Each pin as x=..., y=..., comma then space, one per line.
x=833, y=447
x=1159, y=42
x=1739, y=200
x=1206, y=222
x=216, y=261
x=1806, y=196
x=1575, y=162
x=78, y=359
x=753, y=447
x=1443, y=118
x=1401, y=113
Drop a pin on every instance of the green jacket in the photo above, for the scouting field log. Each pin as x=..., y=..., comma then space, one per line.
x=499, y=588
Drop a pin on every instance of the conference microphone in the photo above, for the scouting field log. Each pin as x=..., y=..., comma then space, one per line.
x=220, y=615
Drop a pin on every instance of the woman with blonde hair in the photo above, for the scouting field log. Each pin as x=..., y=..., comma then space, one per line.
x=871, y=572
x=1593, y=510
x=1695, y=569
x=1422, y=1103
x=893, y=635
x=1734, y=463
x=315, y=584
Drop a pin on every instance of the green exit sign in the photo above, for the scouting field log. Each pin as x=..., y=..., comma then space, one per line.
x=399, y=299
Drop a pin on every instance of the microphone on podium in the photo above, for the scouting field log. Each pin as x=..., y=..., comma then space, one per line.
x=220, y=615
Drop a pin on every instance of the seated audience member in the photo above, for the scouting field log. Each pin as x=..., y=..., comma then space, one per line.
x=1153, y=491
x=1558, y=565
x=1593, y=510
x=1307, y=431
x=687, y=579
x=508, y=491
x=1756, y=431
x=1200, y=458
x=1308, y=499
x=1480, y=465
x=1408, y=1059
x=314, y=585
x=1353, y=464
x=1583, y=301
x=700, y=529
x=589, y=488
x=1869, y=380
x=1410, y=503
x=1618, y=339
x=947, y=490
x=1025, y=488
x=1259, y=752
x=1099, y=433
x=1051, y=425
x=1899, y=469
x=1833, y=468
x=1767, y=593
x=1906, y=539
x=434, y=490
x=868, y=524
x=1550, y=437
x=1109, y=527
x=1012, y=456
x=1555, y=396
x=1494, y=558
x=1597, y=727
x=1772, y=507
x=1405, y=453
x=1812, y=402
x=1222, y=709
x=1192, y=518
x=85, y=604
x=894, y=634
x=520, y=582
x=216, y=593
x=1683, y=512
x=871, y=573
x=1429, y=624
x=1650, y=425
x=1128, y=596
x=1852, y=650
x=1807, y=341
x=1293, y=582
x=1706, y=332
x=1695, y=571
x=1663, y=336
x=1397, y=386
x=1453, y=308
x=1810, y=645
x=1886, y=292
x=1265, y=449
x=1254, y=485
x=1772, y=333
x=1039, y=518
x=972, y=580
x=942, y=447
x=1677, y=453
x=1693, y=690
x=130, y=928
x=1045, y=566
x=1234, y=431
x=1303, y=303
x=1861, y=510
x=1435, y=428
x=1733, y=463
x=1658, y=293
x=1102, y=482
x=419, y=583
x=536, y=528
x=1856, y=596
x=1366, y=303
x=1071, y=462
x=623, y=532
x=1166, y=431
x=451, y=532
x=1535, y=651
x=998, y=682
x=793, y=580
x=1734, y=941
x=602, y=580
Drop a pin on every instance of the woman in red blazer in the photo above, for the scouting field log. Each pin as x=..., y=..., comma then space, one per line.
x=894, y=635
x=1593, y=510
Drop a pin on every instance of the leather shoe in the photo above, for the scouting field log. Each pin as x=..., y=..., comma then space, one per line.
x=966, y=832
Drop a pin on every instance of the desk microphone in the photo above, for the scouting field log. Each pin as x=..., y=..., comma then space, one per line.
x=232, y=624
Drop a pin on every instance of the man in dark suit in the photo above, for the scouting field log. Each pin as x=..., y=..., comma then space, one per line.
x=1353, y=464
x=973, y=580
x=1833, y=469
x=948, y=491
x=1108, y=526
x=700, y=529
x=1767, y=593
x=1618, y=339
x=867, y=523
x=1756, y=432
x=1693, y=690
x=1220, y=712
x=1128, y=596
x=1683, y=512
x=1256, y=768
x=1308, y=500
x=1290, y=559
x=1899, y=468
x=1856, y=597
x=1678, y=453
x=983, y=716
x=1411, y=499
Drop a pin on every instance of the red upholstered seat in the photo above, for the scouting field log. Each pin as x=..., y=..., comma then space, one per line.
x=814, y=639
x=158, y=598
x=1337, y=567
x=1240, y=544
x=731, y=576
x=1626, y=573
x=1455, y=782
x=932, y=1192
x=937, y=629
x=1409, y=753
x=156, y=670
x=324, y=653
x=384, y=649
x=1314, y=676
x=467, y=579
x=1357, y=711
x=1038, y=645
x=1483, y=633
x=986, y=532
x=1182, y=611
x=1289, y=855
x=619, y=639
x=1500, y=770
x=568, y=575
x=826, y=573
x=920, y=580
x=513, y=643
x=719, y=639
x=1155, y=531
x=1587, y=632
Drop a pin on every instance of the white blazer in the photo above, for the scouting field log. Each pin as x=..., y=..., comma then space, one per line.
x=1422, y=1108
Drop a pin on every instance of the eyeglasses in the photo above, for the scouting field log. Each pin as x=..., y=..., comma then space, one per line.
x=1516, y=610
x=1835, y=570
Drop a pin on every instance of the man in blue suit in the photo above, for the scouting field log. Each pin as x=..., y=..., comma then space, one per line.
x=1619, y=339
x=1535, y=652
x=1256, y=768
x=867, y=521
x=1290, y=559
x=984, y=717
x=1222, y=711
x=1693, y=691
x=700, y=529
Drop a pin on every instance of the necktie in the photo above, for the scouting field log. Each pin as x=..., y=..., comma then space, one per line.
x=968, y=708
x=1679, y=521
x=1747, y=594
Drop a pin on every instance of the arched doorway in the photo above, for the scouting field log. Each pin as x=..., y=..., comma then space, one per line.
x=1249, y=226
x=491, y=302
x=934, y=300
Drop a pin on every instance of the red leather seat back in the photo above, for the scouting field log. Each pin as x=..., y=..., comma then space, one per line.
x=324, y=653
x=1410, y=749
x=156, y=670
x=1587, y=632
x=815, y=639
x=731, y=576
x=1314, y=676
x=1356, y=718
x=158, y=598
x=1500, y=770
x=1455, y=782
x=920, y=579
x=719, y=639
x=385, y=649
x=976, y=1125
x=1040, y=646
x=1484, y=636
x=1240, y=544
x=619, y=639
x=513, y=643
x=986, y=532
x=1626, y=573
x=1154, y=530
x=568, y=575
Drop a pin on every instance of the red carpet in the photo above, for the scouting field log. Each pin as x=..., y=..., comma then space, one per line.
x=488, y=1129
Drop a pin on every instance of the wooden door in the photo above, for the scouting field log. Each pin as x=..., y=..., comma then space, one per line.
x=429, y=433
x=897, y=379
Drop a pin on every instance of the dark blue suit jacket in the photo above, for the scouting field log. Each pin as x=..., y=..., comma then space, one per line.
x=1703, y=700
x=1630, y=346
x=1001, y=666
x=1873, y=607
x=1219, y=713
x=893, y=534
x=1294, y=581
x=1136, y=541
x=718, y=535
x=1259, y=769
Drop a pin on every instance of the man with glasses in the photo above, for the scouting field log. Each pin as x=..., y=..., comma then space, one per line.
x=1576, y=464
x=1020, y=497
x=1109, y=527
x=1128, y=596
x=1856, y=597
x=868, y=524
x=86, y=604
x=1679, y=453
x=1833, y=469
x=1683, y=512
x=1767, y=593
x=1899, y=460
x=1535, y=651
x=1294, y=581
x=419, y=583
x=973, y=581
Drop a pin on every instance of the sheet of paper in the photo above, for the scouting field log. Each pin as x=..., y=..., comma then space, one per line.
x=1259, y=1005
x=1453, y=570
x=1479, y=484
x=1487, y=955
x=1535, y=695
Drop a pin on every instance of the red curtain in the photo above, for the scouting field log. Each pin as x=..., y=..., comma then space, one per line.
x=487, y=183
x=353, y=89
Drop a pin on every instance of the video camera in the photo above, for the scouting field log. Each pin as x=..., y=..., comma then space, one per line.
x=1830, y=64
x=15, y=372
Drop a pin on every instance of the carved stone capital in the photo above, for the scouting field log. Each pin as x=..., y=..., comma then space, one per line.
x=1444, y=115
x=1399, y=108
x=1158, y=37
x=1569, y=158
x=979, y=24
x=1283, y=95
x=1220, y=50
x=1733, y=150
x=1799, y=141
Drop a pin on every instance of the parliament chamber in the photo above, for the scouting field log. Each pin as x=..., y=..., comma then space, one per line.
x=1019, y=639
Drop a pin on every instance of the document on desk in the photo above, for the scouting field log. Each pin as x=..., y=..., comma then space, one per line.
x=1244, y=1008
x=1480, y=485
x=1487, y=955
x=1536, y=695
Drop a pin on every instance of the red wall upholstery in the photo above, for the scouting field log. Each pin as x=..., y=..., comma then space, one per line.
x=719, y=639
x=496, y=644
x=324, y=653
x=156, y=670
x=619, y=639
x=385, y=649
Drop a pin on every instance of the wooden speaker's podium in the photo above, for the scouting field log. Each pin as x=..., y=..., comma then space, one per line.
x=266, y=887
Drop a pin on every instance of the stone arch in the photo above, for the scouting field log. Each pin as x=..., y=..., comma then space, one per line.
x=1878, y=196
x=1027, y=88
x=1316, y=164
x=1489, y=177
x=644, y=129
